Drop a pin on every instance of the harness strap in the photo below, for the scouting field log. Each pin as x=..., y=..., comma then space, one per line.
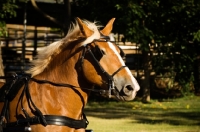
x=4, y=114
x=53, y=83
x=51, y=120
x=31, y=103
x=9, y=77
x=118, y=70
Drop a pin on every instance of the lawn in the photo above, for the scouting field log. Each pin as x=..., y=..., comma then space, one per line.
x=169, y=115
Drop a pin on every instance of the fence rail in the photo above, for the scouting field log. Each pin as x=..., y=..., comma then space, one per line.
x=16, y=58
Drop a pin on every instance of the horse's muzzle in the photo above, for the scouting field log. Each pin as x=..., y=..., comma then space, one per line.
x=127, y=93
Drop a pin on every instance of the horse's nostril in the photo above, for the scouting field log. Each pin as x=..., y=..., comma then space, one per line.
x=127, y=90
x=129, y=87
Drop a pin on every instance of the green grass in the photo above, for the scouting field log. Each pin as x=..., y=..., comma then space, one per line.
x=171, y=115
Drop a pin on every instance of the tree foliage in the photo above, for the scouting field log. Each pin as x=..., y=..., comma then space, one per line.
x=7, y=10
x=176, y=24
x=172, y=27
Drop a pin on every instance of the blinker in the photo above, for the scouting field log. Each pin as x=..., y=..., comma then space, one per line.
x=122, y=54
x=97, y=52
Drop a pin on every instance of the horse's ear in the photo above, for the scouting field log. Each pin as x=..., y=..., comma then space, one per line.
x=84, y=28
x=108, y=28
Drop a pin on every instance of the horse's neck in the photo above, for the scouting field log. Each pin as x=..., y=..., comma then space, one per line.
x=62, y=100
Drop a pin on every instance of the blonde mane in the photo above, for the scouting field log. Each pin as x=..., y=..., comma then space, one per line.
x=47, y=54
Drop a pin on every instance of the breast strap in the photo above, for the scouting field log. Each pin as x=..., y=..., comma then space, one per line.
x=51, y=120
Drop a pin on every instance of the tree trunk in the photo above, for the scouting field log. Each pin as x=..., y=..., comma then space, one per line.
x=146, y=80
x=1, y=66
x=197, y=70
x=46, y=15
x=67, y=9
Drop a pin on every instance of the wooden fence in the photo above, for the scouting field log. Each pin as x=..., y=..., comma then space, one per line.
x=19, y=48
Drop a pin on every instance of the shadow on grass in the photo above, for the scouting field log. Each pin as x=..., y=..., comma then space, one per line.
x=172, y=118
x=148, y=115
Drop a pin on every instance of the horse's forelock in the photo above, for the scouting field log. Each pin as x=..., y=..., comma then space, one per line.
x=46, y=54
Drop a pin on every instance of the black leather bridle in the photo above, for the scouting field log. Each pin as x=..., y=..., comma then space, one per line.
x=16, y=84
x=109, y=77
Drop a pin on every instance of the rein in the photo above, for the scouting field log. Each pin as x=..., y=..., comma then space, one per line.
x=64, y=85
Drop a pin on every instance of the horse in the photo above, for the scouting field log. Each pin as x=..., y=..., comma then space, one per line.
x=52, y=94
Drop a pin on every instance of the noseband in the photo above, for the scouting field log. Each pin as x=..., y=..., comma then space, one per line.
x=110, y=80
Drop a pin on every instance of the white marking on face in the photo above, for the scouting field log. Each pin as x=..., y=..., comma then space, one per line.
x=115, y=51
x=137, y=87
